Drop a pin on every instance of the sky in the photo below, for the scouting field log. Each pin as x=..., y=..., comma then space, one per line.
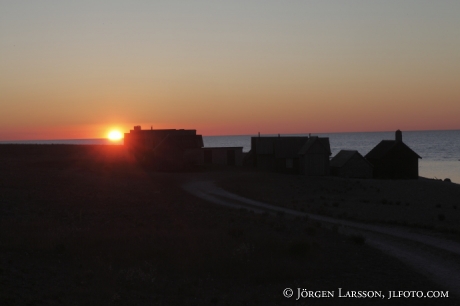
x=77, y=69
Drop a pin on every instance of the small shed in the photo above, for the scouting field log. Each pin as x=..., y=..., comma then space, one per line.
x=393, y=159
x=351, y=164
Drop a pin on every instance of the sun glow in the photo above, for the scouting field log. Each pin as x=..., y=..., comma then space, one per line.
x=115, y=135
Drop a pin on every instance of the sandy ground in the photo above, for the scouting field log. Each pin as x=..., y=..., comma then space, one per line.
x=84, y=225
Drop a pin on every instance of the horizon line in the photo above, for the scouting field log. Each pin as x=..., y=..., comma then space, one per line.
x=227, y=135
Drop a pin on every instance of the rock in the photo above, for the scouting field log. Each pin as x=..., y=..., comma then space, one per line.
x=447, y=180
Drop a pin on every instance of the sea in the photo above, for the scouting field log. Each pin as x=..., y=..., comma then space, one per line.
x=440, y=150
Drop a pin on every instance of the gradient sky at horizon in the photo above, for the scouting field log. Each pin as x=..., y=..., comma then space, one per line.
x=76, y=69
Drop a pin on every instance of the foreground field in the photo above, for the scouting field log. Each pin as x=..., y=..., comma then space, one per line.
x=423, y=203
x=83, y=225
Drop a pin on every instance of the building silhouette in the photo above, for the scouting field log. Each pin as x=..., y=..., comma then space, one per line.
x=162, y=149
x=291, y=154
x=393, y=159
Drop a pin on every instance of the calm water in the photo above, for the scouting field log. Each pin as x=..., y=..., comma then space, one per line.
x=440, y=150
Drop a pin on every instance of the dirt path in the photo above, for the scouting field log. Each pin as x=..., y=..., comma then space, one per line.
x=435, y=257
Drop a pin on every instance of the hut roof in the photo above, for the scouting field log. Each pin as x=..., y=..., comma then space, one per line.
x=289, y=147
x=343, y=157
x=281, y=147
x=386, y=146
x=323, y=141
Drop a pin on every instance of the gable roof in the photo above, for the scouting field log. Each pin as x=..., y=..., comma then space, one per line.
x=281, y=147
x=343, y=157
x=384, y=147
x=323, y=141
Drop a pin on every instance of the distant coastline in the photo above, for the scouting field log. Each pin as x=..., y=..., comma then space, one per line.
x=92, y=141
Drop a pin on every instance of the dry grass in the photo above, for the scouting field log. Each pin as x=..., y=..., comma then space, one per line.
x=423, y=203
x=86, y=226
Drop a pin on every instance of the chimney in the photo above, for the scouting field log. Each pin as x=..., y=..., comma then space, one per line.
x=398, y=136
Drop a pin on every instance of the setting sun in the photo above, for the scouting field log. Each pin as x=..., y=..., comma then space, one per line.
x=115, y=135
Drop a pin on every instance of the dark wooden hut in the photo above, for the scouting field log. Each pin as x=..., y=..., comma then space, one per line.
x=292, y=154
x=280, y=154
x=350, y=163
x=393, y=159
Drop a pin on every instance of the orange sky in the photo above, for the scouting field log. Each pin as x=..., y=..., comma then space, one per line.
x=79, y=70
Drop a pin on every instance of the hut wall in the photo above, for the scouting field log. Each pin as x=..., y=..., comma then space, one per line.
x=401, y=166
x=287, y=165
x=316, y=164
x=227, y=156
x=393, y=167
x=266, y=162
x=356, y=167
x=316, y=161
x=215, y=156
x=194, y=156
